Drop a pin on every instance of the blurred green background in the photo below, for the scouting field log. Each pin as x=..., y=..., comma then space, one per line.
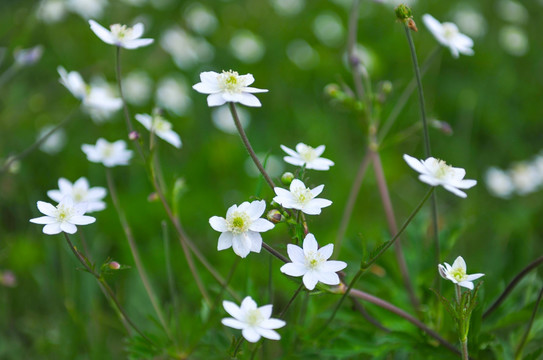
x=293, y=48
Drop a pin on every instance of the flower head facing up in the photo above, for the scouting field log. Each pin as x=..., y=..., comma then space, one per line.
x=109, y=154
x=447, y=34
x=228, y=86
x=308, y=156
x=80, y=192
x=253, y=321
x=301, y=198
x=436, y=172
x=162, y=128
x=121, y=35
x=242, y=227
x=312, y=263
x=457, y=273
x=64, y=217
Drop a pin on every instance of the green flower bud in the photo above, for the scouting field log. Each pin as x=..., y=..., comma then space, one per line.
x=403, y=12
x=287, y=178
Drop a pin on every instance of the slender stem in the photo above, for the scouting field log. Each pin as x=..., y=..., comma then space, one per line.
x=362, y=310
x=427, y=149
x=135, y=254
x=465, y=355
x=275, y=252
x=36, y=144
x=238, y=346
x=282, y=314
x=8, y=74
x=119, y=84
x=458, y=293
x=168, y=261
x=518, y=352
x=102, y=283
x=393, y=227
x=351, y=200
x=248, y=146
x=357, y=276
x=354, y=61
x=534, y=264
x=388, y=306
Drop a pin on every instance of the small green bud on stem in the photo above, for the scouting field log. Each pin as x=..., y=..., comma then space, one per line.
x=287, y=178
x=405, y=15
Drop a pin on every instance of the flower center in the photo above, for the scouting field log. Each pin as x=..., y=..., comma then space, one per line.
x=239, y=222
x=107, y=150
x=161, y=125
x=63, y=213
x=449, y=30
x=254, y=317
x=458, y=274
x=443, y=170
x=230, y=81
x=120, y=31
x=303, y=195
x=308, y=154
x=313, y=260
x=78, y=195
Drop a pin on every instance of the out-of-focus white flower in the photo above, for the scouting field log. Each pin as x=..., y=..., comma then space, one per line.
x=288, y=7
x=247, y=47
x=253, y=321
x=228, y=86
x=312, y=263
x=109, y=154
x=308, y=156
x=222, y=119
x=436, y=172
x=55, y=142
x=173, y=94
x=301, y=198
x=51, y=11
x=135, y=2
x=87, y=8
x=242, y=227
x=73, y=82
x=80, y=192
x=272, y=164
x=302, y=54
x=328, y=28
x=137, y=87
x=470, y=21
x=121, y=35
x=526, y=177
x=447, y=34
x=186, y=51
x=64, y=217
x=514, y=40
x=159, y=126
x=499, y=183
x=512, y=11
x=200, y=19
x=28, y=57
x=457, y=273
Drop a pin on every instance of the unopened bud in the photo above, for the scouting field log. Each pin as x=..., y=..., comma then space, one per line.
x=134, y=135
x=152, y=197
x=442, y=126
x=332, y=90
x=287, y=178
x=8, y=279
x=403, y=13
x=274, y=216
x=412, y=25
x=113, y=265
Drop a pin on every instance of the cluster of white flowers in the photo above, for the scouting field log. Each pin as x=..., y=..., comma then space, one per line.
x=522, y=178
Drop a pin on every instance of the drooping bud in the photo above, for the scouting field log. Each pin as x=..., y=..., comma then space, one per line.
x=134, y=135
x=113, y=265
x=287, y=178
x=275, y=216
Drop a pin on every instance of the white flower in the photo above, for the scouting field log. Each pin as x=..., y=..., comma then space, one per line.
x=222, y=119
x=64, y=217
x=161, y=127
x=307, y=155
x=253, y=321
x=457, y=273
x=87, y=8
x=301, y=198
x=54, y=142
x=28, y=57
x=311, y=263
x=242, y=227
x=172, y=94
x=499, y=182
x=525, y=176
x=73, y=82
x=436, y=172
x=137, y=87
x=448, y=35
x=228, y=86
x=186, y=50
x=80, y=192
x=109, y=154
x=121, y=35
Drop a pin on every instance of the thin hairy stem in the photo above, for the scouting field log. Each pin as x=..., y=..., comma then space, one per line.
x=168, y=264
x=393, y=227
x=465, y=355
x=105, y=286
x=36, y=144
x=362, y=310
x=534, y=264
x=351, y=201
x=248, y=146
x=8, y=74
x=275, y=252
x=135, y=253
x=427, y=149
x=119, y=84
x=518, y=352
x=283, y=312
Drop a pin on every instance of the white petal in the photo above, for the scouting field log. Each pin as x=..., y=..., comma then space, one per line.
x=296, y=184
x=68, y=228
x=137, y=43
x=249, y=100
x=415, y=164
x=310, y=280
x=44, y=220
x=266, y=312
x=232, y=309
x=442, y=271
x=320, y=164
x=52, y=229
x=256, y=241
x=310, y=244
x=328, y=278
x=65, y=186
x=296, y=161
x=326, y=251
x=269, y=334
x=474, y=276
x=459, y=263
x=137, y=30
x=241, y=245
x=248, y=304
x=225, y=241
x=333, y=266
x=256, y=209
x=254, y=90
x=171, y=137
x=207, y=88
x=145, y=119
x=218, y=223
x=55, y=195
x=272, y=324
x=261, y=225
x=289, y=151
x=293, y=269
x=295, y=253
x=46, y=208
x=96, y=193
x=430, y=180
x=455, y=191
x=466, y=284
x=215, y=100
x=233, y=323
x=82, y=220
x=316, y=191
x=250, y=335
x=466, y=184
x=100, y=31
